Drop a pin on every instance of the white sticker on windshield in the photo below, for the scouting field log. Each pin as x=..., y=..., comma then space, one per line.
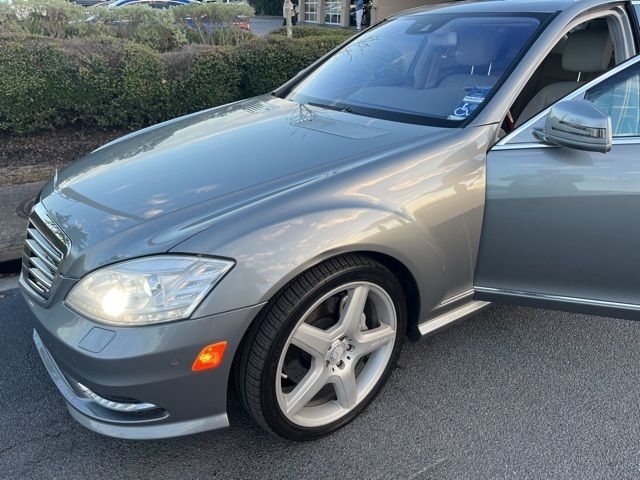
x=471, y=101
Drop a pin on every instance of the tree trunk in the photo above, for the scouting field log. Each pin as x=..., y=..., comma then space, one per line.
x=287, y=11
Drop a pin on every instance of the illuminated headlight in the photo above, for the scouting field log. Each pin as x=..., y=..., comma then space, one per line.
x=148, y=290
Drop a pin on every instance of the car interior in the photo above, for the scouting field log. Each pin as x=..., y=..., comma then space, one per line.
x=433, y=63
x=582, y=55
x=446, y=68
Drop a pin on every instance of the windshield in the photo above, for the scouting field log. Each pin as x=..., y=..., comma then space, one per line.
x=428, y=68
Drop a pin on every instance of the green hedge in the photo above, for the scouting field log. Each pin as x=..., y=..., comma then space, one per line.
x=115, y=84
x=202, y=78
x=53, y=18
x=271, y=61
x=303, y=31
x=37, y=85
x=112, y=83
x=161, y=29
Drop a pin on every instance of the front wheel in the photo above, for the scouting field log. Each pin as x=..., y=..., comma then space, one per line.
x=322, y=348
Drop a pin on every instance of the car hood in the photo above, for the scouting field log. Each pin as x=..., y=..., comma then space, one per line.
x=147, y=191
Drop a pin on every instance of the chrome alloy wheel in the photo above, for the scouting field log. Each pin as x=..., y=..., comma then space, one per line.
x=336, y=354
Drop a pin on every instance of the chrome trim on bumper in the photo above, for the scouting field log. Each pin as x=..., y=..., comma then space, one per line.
x=81, y=396
x=115, y=406
x=85, y=411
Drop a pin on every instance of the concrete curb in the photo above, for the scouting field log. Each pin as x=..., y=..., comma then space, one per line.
x=15, y=204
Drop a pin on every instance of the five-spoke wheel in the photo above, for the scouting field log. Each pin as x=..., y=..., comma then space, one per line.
x=323, y=347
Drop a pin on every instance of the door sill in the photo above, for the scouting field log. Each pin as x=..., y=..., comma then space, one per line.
x=455, y=315
x=588, y=306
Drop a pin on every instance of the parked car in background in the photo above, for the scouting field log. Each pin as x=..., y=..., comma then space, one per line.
x=243, y=23
x=449, y=157
x=92, y=3
x=149, y=3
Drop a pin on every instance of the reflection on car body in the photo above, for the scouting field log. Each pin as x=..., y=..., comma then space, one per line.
x=449, y=157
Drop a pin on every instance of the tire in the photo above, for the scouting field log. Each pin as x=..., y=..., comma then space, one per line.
x=282, y=364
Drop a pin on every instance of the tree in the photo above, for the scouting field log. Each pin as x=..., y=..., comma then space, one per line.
x=287, y=10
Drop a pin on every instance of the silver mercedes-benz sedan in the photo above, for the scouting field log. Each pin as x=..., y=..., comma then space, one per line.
x=452, y=156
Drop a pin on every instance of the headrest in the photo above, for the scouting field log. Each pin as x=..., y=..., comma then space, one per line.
x=587, y=51
x=559, y=48
x=475, y=49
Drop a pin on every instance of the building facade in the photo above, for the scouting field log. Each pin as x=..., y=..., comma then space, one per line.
x=338, y=12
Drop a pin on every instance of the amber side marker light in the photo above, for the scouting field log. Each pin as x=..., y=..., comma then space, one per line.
x=210, y=357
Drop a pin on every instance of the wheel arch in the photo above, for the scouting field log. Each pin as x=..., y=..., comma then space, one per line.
x=409, y=286
x=402, y=273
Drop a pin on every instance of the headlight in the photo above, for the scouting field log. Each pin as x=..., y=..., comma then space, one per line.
x=147, y=290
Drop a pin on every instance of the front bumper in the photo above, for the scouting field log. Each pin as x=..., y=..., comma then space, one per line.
x=105, y=373
x=99, y=419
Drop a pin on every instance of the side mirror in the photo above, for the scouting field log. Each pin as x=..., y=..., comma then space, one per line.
x=577, y=124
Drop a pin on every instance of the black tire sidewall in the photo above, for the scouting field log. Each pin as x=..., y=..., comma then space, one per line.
x=376, y=274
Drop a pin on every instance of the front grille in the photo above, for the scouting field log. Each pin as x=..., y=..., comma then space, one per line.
x=43, y=255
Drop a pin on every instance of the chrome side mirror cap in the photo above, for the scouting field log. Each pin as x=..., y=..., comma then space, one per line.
x=577, y=124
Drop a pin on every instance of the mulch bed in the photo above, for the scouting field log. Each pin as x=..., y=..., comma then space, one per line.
x=33, y=158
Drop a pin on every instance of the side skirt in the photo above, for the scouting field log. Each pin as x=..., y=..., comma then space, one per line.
x=446, y=319
x=629, y=311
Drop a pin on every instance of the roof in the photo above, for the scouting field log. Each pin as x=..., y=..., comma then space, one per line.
x=497, y=6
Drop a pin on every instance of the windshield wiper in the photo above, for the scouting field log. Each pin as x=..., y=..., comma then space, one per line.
x=345, y=108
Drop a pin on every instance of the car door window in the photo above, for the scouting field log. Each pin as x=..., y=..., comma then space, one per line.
x=584, y=54
x=619, y=97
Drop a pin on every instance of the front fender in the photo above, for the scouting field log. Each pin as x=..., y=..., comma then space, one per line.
x=422, y=208
x=289, y=243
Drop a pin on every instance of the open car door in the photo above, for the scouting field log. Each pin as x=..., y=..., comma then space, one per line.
x=562, y=225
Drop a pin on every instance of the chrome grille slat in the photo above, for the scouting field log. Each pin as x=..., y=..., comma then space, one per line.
x=36, y=287
x=42, y=269
x=41, y=279
x=40, y=254
x=42, y=241
x=43, y=255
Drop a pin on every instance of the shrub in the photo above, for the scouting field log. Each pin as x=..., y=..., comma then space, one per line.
x=116, y=83
x=36, y=80
x=106, y=83
x=8, y=20
x=214, y=23
x=156, y=28
x=161, y=29
x=110, y=83
x=201, y=78
x=303, y=31
x=270, y=62
x=53, y=18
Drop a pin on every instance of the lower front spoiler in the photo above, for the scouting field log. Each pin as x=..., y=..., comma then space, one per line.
x=150, y=432
x=94, y=417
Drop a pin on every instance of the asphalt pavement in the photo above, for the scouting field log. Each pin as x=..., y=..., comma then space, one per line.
x=15, y=203
x=512, y=393
x=261, y=25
